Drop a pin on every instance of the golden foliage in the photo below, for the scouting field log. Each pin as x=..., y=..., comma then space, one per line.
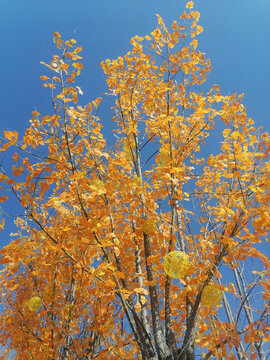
x=99, y=226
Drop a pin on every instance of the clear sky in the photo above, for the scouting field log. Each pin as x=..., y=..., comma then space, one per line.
x=236, y=39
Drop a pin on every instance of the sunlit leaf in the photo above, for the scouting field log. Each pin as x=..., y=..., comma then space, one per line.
x=56, y=34
x=98, y=187
x=199, y=29
x=190, y=5
x=11, y=135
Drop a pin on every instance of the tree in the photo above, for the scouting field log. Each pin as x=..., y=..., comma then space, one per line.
x=147, y=251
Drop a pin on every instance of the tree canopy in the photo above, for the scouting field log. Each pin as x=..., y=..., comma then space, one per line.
x=155, y=248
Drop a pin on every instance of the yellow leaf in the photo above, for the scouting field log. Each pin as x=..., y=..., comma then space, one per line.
x=218, y=98
x=137, y=181
x=163, y=157
x=43, y=63
x=199, y=29
x=226, y=132
x=116, y=240
x=160, y=21
x=96, y=102
x=186, y=196
x=194, y=43
x=235, y=135
x=143, y=300
x=98, y=187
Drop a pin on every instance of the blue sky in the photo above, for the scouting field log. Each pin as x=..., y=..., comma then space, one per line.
x=236, y=39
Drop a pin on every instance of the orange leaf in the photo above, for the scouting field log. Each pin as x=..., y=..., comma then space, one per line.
x=78, y=65
x=64, y=67
x=44, y=186
x=69, y=55
x=226, y=132
x=17, y=171
x=3, y=198
x=184, y=15
x=96, y=102
x=190, y=5
x=138, y=307
x=15, y=157
x=78, y=49
x=56, y=34
x=11, y=135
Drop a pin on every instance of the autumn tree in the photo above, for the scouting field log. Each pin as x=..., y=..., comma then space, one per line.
x=155, y=249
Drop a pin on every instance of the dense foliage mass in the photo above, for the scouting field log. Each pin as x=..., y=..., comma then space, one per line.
x=153, y=249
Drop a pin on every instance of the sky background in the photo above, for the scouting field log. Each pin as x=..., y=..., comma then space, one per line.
x=236, y=39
